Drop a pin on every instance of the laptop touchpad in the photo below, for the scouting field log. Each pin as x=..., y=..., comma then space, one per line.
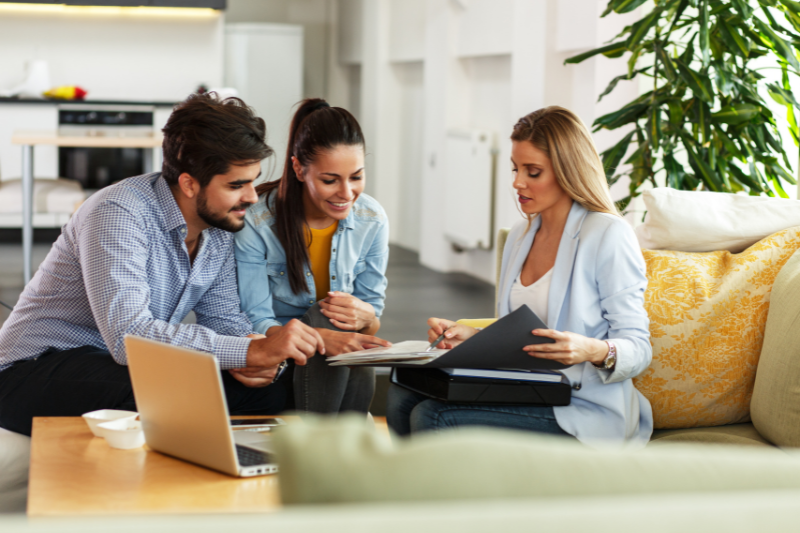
x=253, y=439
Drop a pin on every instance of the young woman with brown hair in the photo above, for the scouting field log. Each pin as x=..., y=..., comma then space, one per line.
x=315, y=246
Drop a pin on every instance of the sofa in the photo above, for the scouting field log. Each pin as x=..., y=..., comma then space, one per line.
x=763, y=413
x=769, y=409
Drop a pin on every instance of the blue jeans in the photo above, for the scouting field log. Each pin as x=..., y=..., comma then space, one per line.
x=408, y=412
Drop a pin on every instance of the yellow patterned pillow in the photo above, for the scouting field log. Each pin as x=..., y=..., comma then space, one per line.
x=707, y=317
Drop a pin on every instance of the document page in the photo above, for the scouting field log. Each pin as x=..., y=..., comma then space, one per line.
x=408, y=352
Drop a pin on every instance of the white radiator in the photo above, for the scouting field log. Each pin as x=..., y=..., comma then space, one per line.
x=469, y=196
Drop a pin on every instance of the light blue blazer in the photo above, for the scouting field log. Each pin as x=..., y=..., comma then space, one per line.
x=597, y=290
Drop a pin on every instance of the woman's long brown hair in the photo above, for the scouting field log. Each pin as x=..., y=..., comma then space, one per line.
x=316, y=127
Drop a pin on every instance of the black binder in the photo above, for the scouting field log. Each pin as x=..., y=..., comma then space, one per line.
x=439, y=385
x=497, y=346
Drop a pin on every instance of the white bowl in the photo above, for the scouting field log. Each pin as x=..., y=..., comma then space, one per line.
x=124, y=433
x=105, y=415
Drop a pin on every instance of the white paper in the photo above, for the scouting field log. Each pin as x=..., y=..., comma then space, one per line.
x=412, y=352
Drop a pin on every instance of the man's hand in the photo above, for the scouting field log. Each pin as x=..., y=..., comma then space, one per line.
x=295, y=341
x=345, y=311
x=255, y=377
x=339, y=342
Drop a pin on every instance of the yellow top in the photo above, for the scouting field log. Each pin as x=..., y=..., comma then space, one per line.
x=319, y=253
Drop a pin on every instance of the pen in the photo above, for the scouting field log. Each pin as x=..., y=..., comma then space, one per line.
x=437, y=341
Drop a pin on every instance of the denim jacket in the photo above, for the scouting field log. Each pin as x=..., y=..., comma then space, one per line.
x=359, y=255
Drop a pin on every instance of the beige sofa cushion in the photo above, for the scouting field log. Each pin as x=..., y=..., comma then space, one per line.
x=739, y=434
x=345, y=460
x=775, y=407
x=15, y=454
x=708, y=313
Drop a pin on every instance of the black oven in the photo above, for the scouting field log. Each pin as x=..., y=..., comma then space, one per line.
x=96, y=168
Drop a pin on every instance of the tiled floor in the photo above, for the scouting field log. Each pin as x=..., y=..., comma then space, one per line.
x=415, y=293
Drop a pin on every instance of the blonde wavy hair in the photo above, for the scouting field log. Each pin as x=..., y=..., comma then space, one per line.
x=563, y=138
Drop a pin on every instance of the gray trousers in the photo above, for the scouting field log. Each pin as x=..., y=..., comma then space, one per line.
x=319, y=388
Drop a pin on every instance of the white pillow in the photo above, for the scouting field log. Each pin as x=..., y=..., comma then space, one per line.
x=692, y=221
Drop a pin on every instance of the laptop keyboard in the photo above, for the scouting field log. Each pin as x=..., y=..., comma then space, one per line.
x=250, y=457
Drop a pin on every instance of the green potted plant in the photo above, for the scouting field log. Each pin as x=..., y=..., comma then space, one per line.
x=707, y=104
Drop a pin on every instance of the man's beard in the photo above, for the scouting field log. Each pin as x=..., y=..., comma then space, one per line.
x=215, y=220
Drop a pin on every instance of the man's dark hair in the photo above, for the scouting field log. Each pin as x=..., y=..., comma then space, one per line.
x=204, y=136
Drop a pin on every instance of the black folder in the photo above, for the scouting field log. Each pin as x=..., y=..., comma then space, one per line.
x=497, y=346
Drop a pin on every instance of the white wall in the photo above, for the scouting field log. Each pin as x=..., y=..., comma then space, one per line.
x=313, y=15
x=113, y=56
x=478, y=64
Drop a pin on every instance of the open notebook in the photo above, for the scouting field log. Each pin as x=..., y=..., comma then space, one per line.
x=498, y=346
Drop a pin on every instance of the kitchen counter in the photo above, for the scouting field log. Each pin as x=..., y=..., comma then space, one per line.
x=15, y=100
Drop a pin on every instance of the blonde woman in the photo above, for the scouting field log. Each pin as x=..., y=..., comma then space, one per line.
x=576, y=263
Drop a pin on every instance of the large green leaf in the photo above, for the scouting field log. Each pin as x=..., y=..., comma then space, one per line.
x=613, y=156
x=640, y=29
x=626, y=6
x=737, y=43
x=705, y=45
x=727, y=143
x=744, y=8
x=746, y=180
x=700, y=85
x=609, y=50
x=792, y=13
x=781, y=172
x=626, y=115
x=666, y=62
x=780, y=46
x=675, y=173
x=678, y=12
x=700, y=166
x=736, y=113
x=724, y=78
x=613, y=83
x=703, y=116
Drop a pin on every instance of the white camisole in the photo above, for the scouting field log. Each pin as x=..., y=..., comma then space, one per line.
x=534, y=295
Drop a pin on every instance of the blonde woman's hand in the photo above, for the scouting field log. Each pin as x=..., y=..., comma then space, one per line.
x=455, y=334
x=569, y=348
x=347, y=312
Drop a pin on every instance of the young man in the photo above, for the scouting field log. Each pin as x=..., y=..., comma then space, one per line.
x=136, y=258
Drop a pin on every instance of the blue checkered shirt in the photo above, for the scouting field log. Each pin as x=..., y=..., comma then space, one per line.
x=119, y=267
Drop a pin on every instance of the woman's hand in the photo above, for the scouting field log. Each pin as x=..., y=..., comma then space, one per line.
x=345, y=311
x=455, y=334
x=339, y=342
x=569, y=348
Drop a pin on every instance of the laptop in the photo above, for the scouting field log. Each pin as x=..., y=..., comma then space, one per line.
x=182, y=406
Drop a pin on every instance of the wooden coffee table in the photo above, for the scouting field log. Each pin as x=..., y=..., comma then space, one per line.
x=75, y=473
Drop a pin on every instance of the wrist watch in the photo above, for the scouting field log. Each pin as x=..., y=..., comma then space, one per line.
x=611, y=359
